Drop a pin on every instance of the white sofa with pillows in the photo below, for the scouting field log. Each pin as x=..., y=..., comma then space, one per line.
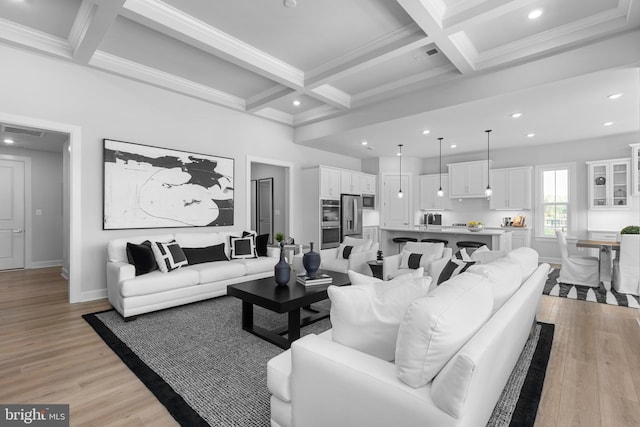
x=153, y=272
x=430, y=256
x=404, y=353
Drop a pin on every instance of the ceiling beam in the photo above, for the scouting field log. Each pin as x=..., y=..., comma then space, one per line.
x=262, y=100
x=29, y=38
x=428, y=14
x=175, y=23
x=90, y=26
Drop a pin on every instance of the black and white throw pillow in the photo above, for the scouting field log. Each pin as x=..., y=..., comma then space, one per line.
x=142, y=257
x=169, y=256
x=206, y=254
x=243, y=247
x=453, y=268
x=261, y=244
x=344, y=251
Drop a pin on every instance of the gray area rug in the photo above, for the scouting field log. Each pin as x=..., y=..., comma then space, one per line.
x=207, y=371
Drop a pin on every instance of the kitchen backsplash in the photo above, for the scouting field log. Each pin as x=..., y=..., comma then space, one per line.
x=465, y=210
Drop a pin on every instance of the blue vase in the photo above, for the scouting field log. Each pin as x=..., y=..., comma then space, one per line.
x=311, y=261
x=282, y=270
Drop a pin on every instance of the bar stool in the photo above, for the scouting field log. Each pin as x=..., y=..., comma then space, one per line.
x=446, y=242
x=469, y=244
x=401, y=240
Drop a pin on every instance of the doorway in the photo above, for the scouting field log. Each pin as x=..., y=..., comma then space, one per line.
x=12, y=211
x=269, y=201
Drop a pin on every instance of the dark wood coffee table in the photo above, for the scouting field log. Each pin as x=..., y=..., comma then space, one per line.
x=283, y=299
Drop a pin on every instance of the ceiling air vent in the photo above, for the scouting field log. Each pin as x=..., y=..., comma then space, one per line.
x=432, y=51
x=23, y=131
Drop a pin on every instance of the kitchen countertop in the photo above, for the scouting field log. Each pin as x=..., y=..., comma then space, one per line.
x=448, y=230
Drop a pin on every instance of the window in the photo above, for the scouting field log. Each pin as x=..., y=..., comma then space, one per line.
x=554, y=197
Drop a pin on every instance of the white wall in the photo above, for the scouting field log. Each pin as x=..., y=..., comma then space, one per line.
x=46, y=195
x=107, y=106
x=66, y=210
x=260, y=171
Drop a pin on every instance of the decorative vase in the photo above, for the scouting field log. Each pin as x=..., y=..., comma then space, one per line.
x=282, y=270
x=311, y=262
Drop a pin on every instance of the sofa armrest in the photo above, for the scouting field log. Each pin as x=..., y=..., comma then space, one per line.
x=335, y=385
x=390, y=265
x=116, y=273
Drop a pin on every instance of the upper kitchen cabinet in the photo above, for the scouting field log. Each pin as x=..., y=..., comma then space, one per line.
x=330, y=183
x=368, y=184
x=511, y=188
x=468, y=179
x=635, y=169
x=350, y=182
x=429, y=185
x=609, y=182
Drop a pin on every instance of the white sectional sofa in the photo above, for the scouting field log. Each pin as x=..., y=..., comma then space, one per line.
x=133, y=295
x=319, y=382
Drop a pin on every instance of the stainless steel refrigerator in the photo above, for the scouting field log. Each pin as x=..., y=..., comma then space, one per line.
x=350, y=216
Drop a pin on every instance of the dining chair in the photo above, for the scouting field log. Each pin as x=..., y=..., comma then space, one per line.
x=577, y=270
x=626, y=267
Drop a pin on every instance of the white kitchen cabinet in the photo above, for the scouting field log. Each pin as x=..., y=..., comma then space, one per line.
x=511, y=188
x=330, y=181
x=368, y=184
x=635, y=169
x=350, y=182
x=609, y=184
x=520, y=238
x=467, y=180
x=429, y=185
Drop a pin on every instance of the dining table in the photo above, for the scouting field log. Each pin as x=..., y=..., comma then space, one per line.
x=605, y=256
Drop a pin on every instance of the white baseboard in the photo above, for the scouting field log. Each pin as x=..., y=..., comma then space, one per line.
x=92, y=295
x=45, y=264
x=550, y=260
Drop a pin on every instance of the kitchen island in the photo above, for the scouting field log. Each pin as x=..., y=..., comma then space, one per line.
x=493, y=238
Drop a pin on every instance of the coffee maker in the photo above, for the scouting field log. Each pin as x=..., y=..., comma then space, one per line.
x=433, y=219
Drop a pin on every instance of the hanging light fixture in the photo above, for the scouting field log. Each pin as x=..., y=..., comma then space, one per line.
x=488, y=191
x=400, y=181
x=440, y=192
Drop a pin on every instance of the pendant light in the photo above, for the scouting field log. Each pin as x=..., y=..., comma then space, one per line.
x=400, y=181
x=440, y=192
x=488, y=191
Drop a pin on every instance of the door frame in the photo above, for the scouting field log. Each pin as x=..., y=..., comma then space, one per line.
x=75, y=193
x=288, y=197
x=27, y=205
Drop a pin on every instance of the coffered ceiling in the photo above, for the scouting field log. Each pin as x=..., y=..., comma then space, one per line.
x=375, y=70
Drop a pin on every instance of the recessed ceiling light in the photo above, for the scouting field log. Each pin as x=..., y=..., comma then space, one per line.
x=607, y=123
x=398, y=153
x=364, y=143
x=534, y=14
x=426, y=132
x=296, y=103
x=8, y=141
x=453, y=146
x=614, y=96
x=531, y=135
x=516, y=115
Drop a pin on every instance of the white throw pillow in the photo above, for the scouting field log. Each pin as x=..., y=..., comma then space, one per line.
x=352, y=241
x=345, y=251
x=431, y=250
x=367, y=317
x=527, y=258
x=410, y=260
x=438, y=325
x=169, y=256
x=362, y=279
x=504, y=278
x=486, y=256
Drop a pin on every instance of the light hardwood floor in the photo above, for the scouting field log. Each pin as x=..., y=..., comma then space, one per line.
x=49, y=354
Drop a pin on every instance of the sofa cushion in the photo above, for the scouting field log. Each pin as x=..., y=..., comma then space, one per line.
x=259, y=265
x=366, y=317
x=169, y=256
x=527, y=258
x=157, y=281
x=117, y=248
x=340, y=265
x=504, y=278
x=141, y=257
x=432, y=251
x=485, y=256
x=365, y=244
x=454, y=267
x=436, y=326
x=206, y=254
x=204, y=239
x=356, y=278
x=219, y=270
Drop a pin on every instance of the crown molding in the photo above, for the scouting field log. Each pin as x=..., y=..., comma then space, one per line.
x=276, y=115
x=134, y=70
x=317, y=113
x=24, y=36
x=81, y=23
x=195, y=32
x=332, y=96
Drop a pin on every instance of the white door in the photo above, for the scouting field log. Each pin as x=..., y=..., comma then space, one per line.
x=395, y=210
x=11, y=214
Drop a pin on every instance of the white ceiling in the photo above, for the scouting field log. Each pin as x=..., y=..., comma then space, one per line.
x=31, y=138
x=380, y=70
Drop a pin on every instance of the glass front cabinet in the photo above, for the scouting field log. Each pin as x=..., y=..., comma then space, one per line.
x=609, y=184
x=635, y=169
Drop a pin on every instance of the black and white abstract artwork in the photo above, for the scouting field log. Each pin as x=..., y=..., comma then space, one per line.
x=152, y=187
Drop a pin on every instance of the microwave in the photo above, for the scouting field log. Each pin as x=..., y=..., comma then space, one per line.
x=368, y=201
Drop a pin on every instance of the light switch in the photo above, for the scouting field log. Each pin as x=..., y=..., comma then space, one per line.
x=38, y=211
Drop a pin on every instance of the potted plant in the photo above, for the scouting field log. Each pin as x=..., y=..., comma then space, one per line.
x=279, y=237
x=630, y=229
